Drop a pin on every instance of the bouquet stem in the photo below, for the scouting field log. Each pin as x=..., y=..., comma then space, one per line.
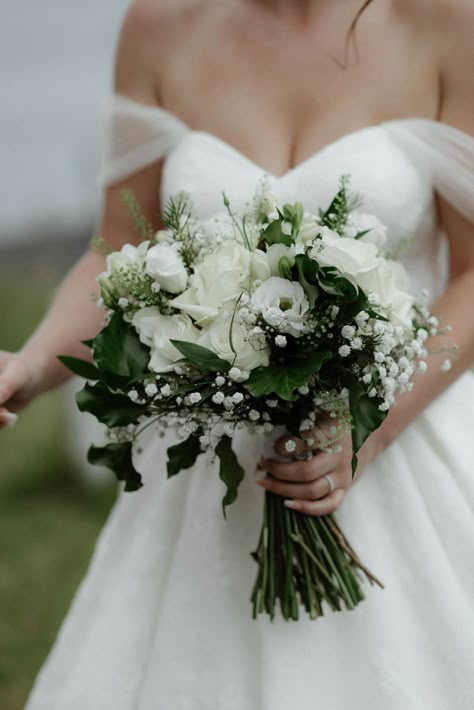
x=306, y=561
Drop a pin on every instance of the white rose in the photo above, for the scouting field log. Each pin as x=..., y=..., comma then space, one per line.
x=388, y=281
x=350, y=256
x=165, y=265
x=275, y=253
x=282, y=303
x=308, y=231
x=128, y=257
x=219, y=278
x=362, y=222
x=156, y=330
x=251, y=352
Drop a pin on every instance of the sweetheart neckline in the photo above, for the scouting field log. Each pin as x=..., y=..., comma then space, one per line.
x=295, y=168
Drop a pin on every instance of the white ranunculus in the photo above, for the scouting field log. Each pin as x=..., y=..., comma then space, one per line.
x=275, y=253
x=219, y=278
x=251, y=353
x=389, y=281
x=165, y=265
x=156, y=330
x=282, y=303
x=308, y=231
x=350, y=256
x=361, y=222
x=128, y=257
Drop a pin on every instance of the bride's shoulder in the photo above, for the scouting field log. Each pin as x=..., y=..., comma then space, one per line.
x=149, y=32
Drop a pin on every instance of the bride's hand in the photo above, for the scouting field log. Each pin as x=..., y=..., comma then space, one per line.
x=315, y=485
x=19, y=384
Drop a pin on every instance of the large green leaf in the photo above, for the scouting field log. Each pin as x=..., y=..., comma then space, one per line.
x=365, y=414
x=117, y=457
x=202, y=357
x=118, y=349
x=230, y=471
x=183, y=455
x=109, y=408
x=284, y=380
x=82, y=368
x=273, y=234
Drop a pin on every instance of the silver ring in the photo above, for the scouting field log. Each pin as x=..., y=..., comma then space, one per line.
x=329, y=479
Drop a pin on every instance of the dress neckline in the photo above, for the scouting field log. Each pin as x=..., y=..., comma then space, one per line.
x=178, y=124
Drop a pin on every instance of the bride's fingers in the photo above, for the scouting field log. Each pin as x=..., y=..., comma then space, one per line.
x=7, y=419
x=11, y=380
x=327, y=505
x=301, y=471
x=303, y=491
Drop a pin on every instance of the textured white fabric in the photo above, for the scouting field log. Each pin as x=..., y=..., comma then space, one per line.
x=162, y=620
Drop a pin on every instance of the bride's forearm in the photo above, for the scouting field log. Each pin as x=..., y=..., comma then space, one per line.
x=72, y=317
x=454, y=308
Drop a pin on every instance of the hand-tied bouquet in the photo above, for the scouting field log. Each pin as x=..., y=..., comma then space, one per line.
x=269, y=318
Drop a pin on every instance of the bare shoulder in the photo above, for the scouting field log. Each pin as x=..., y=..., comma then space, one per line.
x=445, y=30
x=146, y=36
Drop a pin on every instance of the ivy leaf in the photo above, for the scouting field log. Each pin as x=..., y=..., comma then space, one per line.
x=366, y=417
x=230, y=471
x=82, y=368
x=183, y=455
x=108, y=407
x=118, y=458
x=273, y=234
x=283, y=381
x=118, y=349
x=202, y=357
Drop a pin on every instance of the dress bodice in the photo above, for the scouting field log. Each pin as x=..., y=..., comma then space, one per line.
x=397, y=167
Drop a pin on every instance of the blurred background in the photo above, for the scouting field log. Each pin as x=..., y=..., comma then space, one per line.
x=56, y=62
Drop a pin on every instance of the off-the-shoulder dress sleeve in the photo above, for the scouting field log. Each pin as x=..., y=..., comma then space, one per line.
x=447, y=152
x=134, y=136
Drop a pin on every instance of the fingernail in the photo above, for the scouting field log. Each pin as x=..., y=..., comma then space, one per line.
x=260, y=474
x=292, y=504
x=9, y=419
x=263, y=483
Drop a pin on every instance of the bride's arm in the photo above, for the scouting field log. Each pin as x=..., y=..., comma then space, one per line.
x=73, y=316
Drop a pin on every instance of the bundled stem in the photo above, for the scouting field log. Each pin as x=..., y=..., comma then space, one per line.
x=304, y=561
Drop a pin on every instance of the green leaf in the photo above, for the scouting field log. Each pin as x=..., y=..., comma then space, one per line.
x=331, y=281
x=118, y=349
x=230, y=471
x=308, y=269
x=183, y=455
x=109, y=408
x=283, y=381
x=202, y=357
x=273, y=234
x=365, y=414
x=83, y=368
x=117, y=457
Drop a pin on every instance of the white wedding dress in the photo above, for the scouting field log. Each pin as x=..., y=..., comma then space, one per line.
x=162, y=620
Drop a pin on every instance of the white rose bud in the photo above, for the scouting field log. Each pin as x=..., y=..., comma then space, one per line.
x=165, y=265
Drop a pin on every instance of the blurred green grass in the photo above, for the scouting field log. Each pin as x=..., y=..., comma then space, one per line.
x=49, y=515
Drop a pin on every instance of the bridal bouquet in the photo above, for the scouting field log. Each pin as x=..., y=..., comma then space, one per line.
x=269, y=319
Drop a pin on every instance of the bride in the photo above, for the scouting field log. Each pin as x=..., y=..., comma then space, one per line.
x=217, y=95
